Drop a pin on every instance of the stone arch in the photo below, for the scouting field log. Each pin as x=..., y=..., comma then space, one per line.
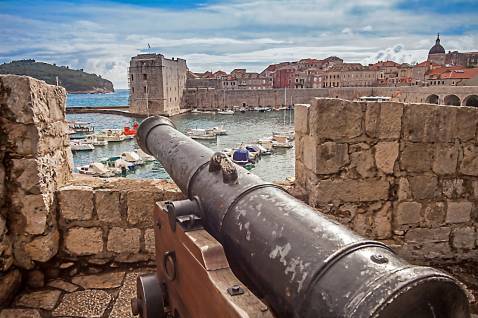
x=432, y=99
x=471, y=100
x=452, y=100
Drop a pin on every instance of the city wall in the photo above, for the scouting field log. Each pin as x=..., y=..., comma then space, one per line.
x=210, y=98
x=406, y=174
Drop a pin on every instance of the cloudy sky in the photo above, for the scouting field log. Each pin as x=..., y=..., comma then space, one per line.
x=101, y=36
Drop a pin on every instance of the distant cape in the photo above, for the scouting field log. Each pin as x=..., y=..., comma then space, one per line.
x=74, y=81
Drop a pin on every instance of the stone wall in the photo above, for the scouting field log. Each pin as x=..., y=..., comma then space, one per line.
x=34, y=162
x=406, y=174
x=109, y=221
x=210, y=98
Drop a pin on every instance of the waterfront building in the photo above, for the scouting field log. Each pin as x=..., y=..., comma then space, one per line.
x=156, y=84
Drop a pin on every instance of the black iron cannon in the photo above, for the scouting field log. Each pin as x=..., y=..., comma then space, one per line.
x=295, y=260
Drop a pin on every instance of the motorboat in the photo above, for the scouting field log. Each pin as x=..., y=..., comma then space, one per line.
x=219, y=131
x=79, y=130
x=132, y=157
x=264, y=151
x=242, y=109
x=91, y=139
x=111, y=135
x=81, y=146
x=280, y=141
x=225, y=112
x=127, y=131
x=144, y=156
x=201, y=134
x=289, y=134
x=241, y=156
x=254, y=153
x=98, y=169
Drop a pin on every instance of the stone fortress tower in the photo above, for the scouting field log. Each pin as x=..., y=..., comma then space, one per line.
x=437, y=53
x=156, y=84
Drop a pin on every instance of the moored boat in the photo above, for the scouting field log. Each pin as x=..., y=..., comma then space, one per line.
x=111, y=135
x=81, y=146
x=201, y=134
x=98, y=169
x=241, y=156
x=132, y=157
x=219, y=131
x=91, y=139
x=225, y=112
x=280, y=141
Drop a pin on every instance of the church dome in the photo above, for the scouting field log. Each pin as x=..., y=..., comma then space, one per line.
x=437, y=48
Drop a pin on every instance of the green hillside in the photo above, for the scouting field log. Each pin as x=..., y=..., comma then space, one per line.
x=74, y=81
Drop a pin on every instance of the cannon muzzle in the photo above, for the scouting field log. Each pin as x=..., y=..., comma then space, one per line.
x=300, y=262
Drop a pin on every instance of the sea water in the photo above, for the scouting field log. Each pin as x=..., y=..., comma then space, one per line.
x=242, y=128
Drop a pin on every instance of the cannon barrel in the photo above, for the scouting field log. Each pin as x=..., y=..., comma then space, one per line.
x=300, y=262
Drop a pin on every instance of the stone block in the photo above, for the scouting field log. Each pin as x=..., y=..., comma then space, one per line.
x=43, y=248
x=464, y=238
x=467, y=121
x=404, y=192
x=386, y=153
x=416, y=157
x=76, y=202
x=149, y=241
x=434, y=214
x=310, y=152
x=10, y=282
x=362, y=224
x=26, y=174
x=301, y=118
x=44, y=299
x=445, y=159
x=299, y=148
x=453, y=188
x=363, y=164
x=428, y=123
x=469, y=164
x=31, y=101
x=352, y=190
x=424, y=187
x=19, y=313
x=124, y=240
x=99, y=281
x=331, y=157
x=140, y=207
x=335, y=119
x=108, y=206
x=384, y=120
x=84, y=241
x=426, y=235
x=300, y=174
x=408, y=213
x=35, y=212
x=458, y=212
x=382, y=222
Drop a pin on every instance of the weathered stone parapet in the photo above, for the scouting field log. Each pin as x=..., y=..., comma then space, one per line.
x=110, y=220
x=35, y=160
x=403, y=173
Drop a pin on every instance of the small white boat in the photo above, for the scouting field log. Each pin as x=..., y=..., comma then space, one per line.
x=219, y=131
x=132, y=157
x=111, y=135
x=280, y=141
x=225, y=112
x=81, y=146
x=98, y=169
x=91, y=139
x=201, y=134
x=289, y=134
x=264, y=151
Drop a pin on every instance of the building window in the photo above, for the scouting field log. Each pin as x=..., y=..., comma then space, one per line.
x=145, y=88
x=145, y=76
x=132, y=90
x=131, y=77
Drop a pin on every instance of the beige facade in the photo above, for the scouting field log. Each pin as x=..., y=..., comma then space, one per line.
x=156, y=84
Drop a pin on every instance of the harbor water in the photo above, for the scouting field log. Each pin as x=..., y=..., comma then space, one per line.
x=242, y=128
